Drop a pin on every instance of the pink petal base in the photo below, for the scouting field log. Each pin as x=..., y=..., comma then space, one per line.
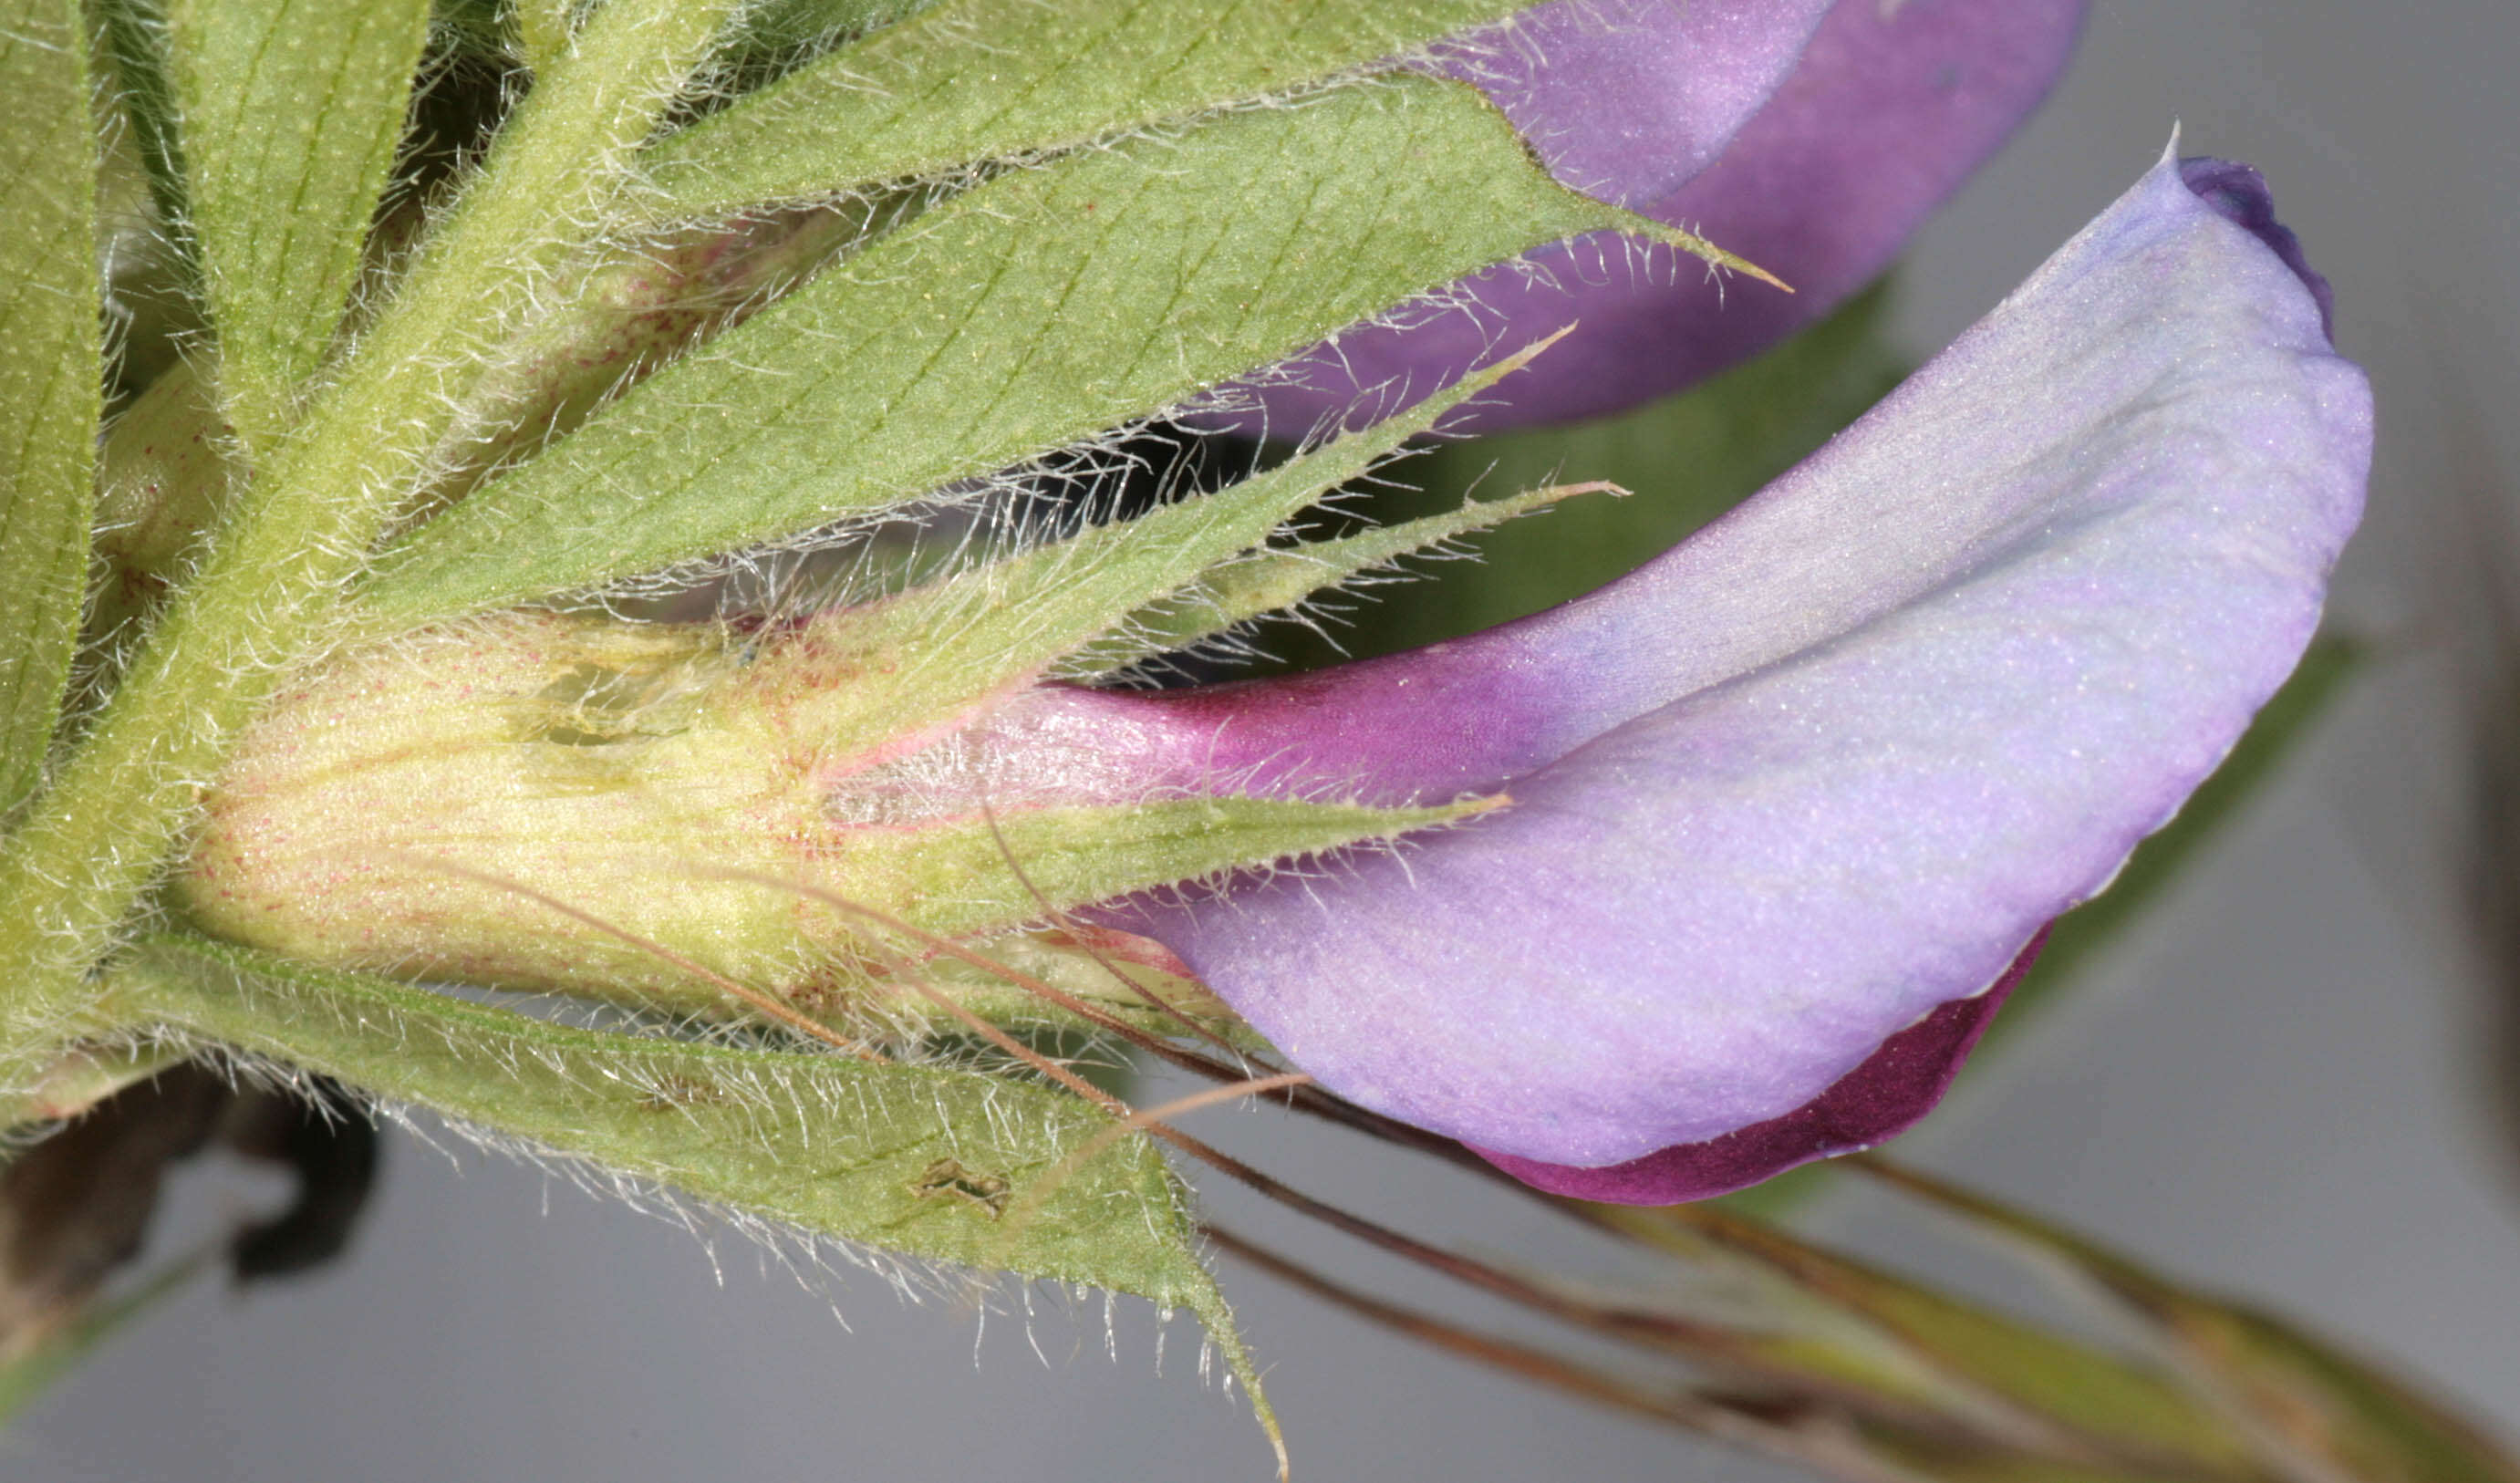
x=1866, y=1106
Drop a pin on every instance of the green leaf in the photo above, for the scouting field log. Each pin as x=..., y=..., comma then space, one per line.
x=919, y=1160
x=768, y=32
x=1012, y=618
x=995, y=79
x=131, y=51
x=52, y=375
x=290, y=112
x=267, y=590
x=1022, y=316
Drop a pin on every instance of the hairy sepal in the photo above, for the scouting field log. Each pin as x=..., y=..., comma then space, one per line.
x=1277, y=579
x=981, y=80
x=922, y=1162
x=1019, y=318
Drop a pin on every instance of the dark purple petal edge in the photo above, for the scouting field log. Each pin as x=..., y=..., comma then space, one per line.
x=2240, y=193
x=1872, y=1104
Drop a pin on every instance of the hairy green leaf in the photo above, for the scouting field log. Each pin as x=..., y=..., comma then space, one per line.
x=131, y=52
x=994, y=79
x=52, y=374
x=1011, y=619
x=1034, y=311
x=768, y=30
x=926, y=1162
x=290, y=110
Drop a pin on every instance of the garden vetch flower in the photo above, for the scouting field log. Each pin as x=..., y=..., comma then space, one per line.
x=1792, y=802
x=1716, y=871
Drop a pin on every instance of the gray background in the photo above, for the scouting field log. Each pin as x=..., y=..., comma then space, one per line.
x=2279, y=1084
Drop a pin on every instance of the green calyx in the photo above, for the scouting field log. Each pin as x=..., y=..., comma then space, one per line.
x=648, y=812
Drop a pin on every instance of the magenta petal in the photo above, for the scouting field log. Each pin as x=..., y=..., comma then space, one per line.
x=1866, y=1107
x=1888, y=110
x=1830, y=763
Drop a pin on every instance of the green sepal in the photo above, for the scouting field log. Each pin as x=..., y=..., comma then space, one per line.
x=52, y=374
x=1279, y=578
x=1144, y=995
x=980, y=80
x=440, y=806
x=1042, y=308
x=877, y=672
x=921, y=1161
x=958, y=879
x=291, y=114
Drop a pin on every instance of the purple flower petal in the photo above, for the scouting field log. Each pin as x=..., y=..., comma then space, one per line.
x=1628, y=101
x=1889, y=109
x=1866, y=1107
x=2239, y=191
x=1830, y=764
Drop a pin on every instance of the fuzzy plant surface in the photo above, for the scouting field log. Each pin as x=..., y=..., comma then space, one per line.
x=614, y=501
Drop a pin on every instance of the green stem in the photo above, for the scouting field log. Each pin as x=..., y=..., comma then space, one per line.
x=91, y=845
